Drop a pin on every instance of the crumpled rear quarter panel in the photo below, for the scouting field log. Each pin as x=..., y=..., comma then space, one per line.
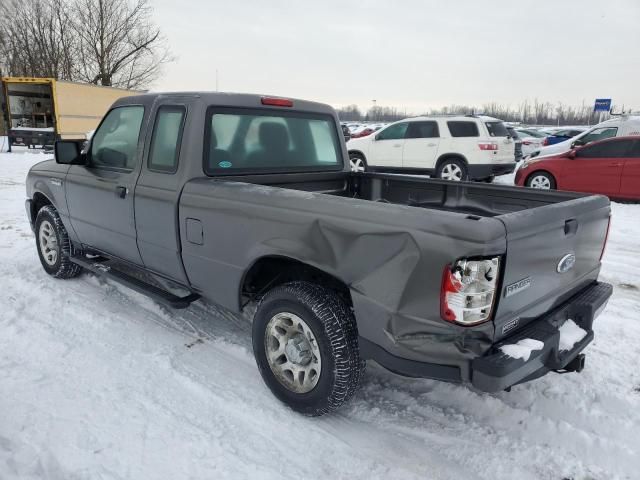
x=390, y=256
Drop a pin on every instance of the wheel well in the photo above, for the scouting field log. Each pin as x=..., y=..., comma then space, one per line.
x=357, y=152
x=39, y=200
x=451, y=156
x=269, y=272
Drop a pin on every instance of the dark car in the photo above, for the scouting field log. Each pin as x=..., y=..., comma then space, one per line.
x=517, y=142
x=609, y=167
x=561, y=136
x=346, y=133
x=248, y=200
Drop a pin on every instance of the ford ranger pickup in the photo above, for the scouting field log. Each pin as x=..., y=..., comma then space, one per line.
x=249, y=200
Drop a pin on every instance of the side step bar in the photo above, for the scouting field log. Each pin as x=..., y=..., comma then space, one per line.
x=100, y=266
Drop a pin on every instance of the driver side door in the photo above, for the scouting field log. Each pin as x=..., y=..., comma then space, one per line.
x=387, y=146
x=100, y=194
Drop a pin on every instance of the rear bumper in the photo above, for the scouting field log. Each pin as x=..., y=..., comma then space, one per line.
x=497, y=370
x=486, y=170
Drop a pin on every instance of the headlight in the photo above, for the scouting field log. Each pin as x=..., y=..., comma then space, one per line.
x=468, y=290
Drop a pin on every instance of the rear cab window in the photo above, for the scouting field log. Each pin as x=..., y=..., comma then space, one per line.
x=239, y=140
x=463, y=128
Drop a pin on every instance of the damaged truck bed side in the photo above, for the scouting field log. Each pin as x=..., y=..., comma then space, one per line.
x=242, y=198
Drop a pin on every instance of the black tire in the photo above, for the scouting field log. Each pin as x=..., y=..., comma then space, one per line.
x=454, y=163
x=62, y=267
x=541, y=174
x=334, y=327
x=358, y=157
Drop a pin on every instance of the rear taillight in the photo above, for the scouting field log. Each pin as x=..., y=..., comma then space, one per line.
x=488, y=146
x=527, y=142
x=545, y=141
x=606, y=239
x=277, y=102
x=468, y=291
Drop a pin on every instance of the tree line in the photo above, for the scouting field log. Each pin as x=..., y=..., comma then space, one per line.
x=527, y=112
x=104, y=42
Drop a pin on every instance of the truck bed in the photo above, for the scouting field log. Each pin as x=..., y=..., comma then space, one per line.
x=471, y=198
x=538, y=228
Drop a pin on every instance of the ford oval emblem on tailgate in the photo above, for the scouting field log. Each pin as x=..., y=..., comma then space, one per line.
x=566, y=263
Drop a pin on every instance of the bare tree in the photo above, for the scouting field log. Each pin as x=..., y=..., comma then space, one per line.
x=36, y=39
x=118, y=44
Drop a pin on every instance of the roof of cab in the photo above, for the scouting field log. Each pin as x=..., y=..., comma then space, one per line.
x=224, y=99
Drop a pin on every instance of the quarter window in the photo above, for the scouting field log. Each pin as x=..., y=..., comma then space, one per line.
x=459, y=128
x=115, y=143
x=165, y=142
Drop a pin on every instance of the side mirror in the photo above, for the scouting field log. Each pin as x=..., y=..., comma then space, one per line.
x=571, y=154
x=69, y=152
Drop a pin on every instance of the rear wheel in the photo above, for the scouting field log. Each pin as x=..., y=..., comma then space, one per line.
x=452, y=169
x=541, y=181
x=305, y=342
x=358, y=163
x=53, y=244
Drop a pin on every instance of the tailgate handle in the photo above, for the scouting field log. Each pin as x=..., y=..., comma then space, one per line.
x=571, y=227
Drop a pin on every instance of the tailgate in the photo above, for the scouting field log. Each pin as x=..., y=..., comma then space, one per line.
x=538, y=270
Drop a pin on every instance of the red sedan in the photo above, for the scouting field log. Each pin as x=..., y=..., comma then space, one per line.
x=610, y=167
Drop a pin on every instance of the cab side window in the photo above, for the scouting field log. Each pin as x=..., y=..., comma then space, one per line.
x=394, y=132
x=165, y=140
x=115, y=143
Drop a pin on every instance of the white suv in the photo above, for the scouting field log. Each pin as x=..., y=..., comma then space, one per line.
x=457, y=148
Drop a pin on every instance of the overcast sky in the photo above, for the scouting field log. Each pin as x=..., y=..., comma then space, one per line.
x=407, y=53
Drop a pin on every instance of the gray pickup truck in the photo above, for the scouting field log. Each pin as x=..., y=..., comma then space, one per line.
x=243, y=199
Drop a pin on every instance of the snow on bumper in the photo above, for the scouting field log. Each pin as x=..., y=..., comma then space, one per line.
x=546, y=339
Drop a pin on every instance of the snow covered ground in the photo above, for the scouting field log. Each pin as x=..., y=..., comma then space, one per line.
x=99, y=382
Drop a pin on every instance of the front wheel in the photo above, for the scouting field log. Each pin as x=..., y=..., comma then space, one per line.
x=305, y=342
x=453, y=170
x=53, y=244
x=541, y=181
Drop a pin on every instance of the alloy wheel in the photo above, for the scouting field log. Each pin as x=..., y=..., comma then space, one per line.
x=292, y=352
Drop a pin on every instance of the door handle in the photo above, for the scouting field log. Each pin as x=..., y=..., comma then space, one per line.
x=121, y=192
x=431, y=144
x=614, y=165
x=397, y=145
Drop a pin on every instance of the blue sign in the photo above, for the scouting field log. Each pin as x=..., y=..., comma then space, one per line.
x=602, y=105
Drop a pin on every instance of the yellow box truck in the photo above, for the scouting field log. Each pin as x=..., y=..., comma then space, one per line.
x=39, y=111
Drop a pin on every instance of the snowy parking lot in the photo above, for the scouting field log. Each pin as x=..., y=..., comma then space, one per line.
x=99, y=382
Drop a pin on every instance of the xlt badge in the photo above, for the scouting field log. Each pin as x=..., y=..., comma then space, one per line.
x=517, y=287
